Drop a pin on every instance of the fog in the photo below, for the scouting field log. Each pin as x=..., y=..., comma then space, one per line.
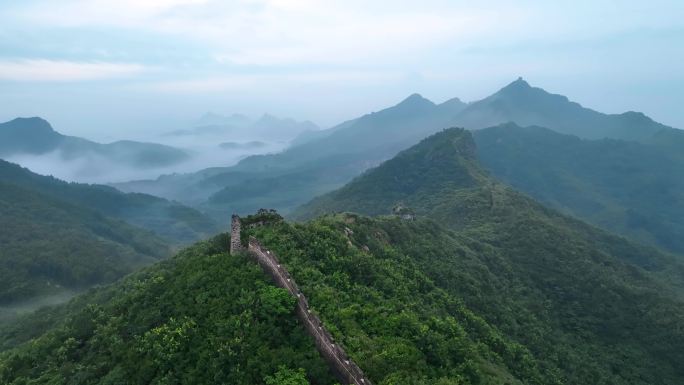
x=221, y=147
x=59, y=295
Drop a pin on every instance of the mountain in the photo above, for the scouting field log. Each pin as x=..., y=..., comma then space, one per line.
x=274, y=128
x=572, y=294
x=202, y=317
x=267, y=127
x=531, y=106
x=235, y=120
x=35, y=136
x=176, y=223
x=288, y=179
x=210, y=317
x=443, y=163
x=53, y=248
x=626, y=187
x=322, y=161
x=244, y=145
x=410, y=301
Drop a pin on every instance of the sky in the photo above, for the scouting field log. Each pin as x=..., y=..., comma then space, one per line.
x=113, y=69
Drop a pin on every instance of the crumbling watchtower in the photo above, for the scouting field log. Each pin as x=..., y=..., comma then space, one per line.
x=235, y=227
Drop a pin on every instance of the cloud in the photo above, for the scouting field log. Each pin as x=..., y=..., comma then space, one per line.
x=41, y=70
x=268, y=82
x=95, y=168
x=284, y=32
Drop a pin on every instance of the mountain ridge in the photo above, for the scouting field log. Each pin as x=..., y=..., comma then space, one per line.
x=329, y=158
x=174, y=222
x=35, y=136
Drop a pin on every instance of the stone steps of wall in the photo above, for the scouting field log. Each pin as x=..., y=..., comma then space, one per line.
x=343, y=366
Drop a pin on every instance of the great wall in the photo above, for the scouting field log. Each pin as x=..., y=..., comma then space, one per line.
x=344, y=368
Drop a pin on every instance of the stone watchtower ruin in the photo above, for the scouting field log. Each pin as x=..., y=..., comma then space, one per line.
x=235, y=227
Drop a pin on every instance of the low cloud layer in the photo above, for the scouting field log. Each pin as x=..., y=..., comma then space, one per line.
x=94, y=168
x=64, y=71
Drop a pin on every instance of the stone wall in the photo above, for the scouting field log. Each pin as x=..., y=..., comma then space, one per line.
x=235, y=243
x=344, y=368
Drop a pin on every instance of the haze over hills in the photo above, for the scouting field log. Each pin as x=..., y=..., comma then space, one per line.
x=330, y=158
x=60, y=238
x=525, y=105
x=52, y=248
x=35, y=136
x=32, y=142
x=170, y=214
x=486, y=286
x=176, y=223
x=237, y=126
x=575, y=269
x=322, y=162
x=626, y=187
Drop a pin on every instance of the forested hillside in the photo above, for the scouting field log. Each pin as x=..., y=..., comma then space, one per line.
x=330, y=158
x=629, y=188
x=49, y=246
x=177, y=223
x=201, y=318
x=586, y=287
x=483, y=286
x=314, y=166
x=401, y=295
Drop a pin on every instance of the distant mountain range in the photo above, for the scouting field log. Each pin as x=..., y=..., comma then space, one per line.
x=59, y=238
x=529, y=254
x=630, y=188
x=482, y=286
x=35, y=136
x=530, y=106
x=320, y=163
x=327, y=159
x=267, y=127
x=51, y=246
x=176, y=223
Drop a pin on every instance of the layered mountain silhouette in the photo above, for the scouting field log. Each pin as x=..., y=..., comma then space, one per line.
x=290, y=178
x=526, y=106
x=329, y=158
x=541, y=250
x=176, y=223
x=51, y=247
x=35, y=136
x=484, y=285
x=61, y=238
x=626, y=187
x=267, y=127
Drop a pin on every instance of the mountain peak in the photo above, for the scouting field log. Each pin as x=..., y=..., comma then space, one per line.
x=443, y=161
x=518, y=85
x=454, y=103
x=32, y=123
x=416, y=100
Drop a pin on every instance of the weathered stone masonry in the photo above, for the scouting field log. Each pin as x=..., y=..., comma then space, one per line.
x=344, y=368
x=235, y=243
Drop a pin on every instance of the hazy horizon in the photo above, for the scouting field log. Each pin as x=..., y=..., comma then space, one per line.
x=108, y=70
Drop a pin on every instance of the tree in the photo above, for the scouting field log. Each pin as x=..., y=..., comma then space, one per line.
x=287, y=376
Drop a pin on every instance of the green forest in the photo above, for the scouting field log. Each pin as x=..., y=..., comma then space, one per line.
x=411, y=302
x=48, y=245
x=480, y=285
x=203, y=317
